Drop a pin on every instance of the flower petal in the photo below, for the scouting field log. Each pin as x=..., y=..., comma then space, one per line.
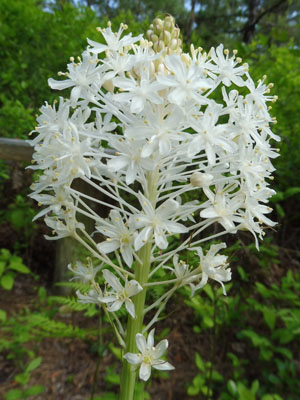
x=108, y=246
x=132, y=358
x=163, y=366
x=112, y=280
x=142, y=237
x=145, y=371
x=115, y=306
x=141, y=342
x=130, y=307
x=150, y=339
x=161, y=348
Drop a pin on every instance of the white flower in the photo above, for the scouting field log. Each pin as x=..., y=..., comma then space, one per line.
x=114, y=41
x=83, y=76
x=94, y=296
x=223, y=209
x=227, y=67
x=120, y=294
x=138, y=92
x=186, y=82
x=120, y=235
x=84, y=273
x=149, y=355
x=211, y=136
x=129, y=159
x=64, y=226
x=157, y=221
x=213, y=266
x=61, y=198
x=164, y=129
x=181, y=271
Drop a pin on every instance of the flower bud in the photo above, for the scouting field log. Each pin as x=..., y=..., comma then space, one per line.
x=149, y=34
x=173, y=44
x=159, y=46
x=169, y=23
x=166, y=37
x=158, y=25
x=154, y=38
x=175, y=33
x=109, y=86
x=199, y=179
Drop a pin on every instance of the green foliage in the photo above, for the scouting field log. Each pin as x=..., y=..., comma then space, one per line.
x=16, y=394
x=20, y=214
x=70, y=303
x=36, y=45
x=202, y=382
x=263, y=322
x=23, y=379
x=10, y=265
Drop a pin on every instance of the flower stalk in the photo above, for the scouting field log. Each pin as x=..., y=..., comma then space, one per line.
x=169, y=141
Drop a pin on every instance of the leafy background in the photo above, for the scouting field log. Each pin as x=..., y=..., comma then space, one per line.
x=244, y=346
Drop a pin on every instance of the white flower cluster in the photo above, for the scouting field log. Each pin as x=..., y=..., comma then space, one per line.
x=145, y=124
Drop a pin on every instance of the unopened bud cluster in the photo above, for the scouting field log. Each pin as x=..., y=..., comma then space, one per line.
x=165, y=36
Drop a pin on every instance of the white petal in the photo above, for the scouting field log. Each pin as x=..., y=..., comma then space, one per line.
x=132, y=358
x=150, y=339
x=60, y=85
x=165, y=147
x=108, y=246
x=99, y=47
x=130, y=307
x=133, y=288
x=112, y=280
x=127, y=255
x=177, y=96
x=160, y=348
x=41, y=213
x=75, y=93
x=160, y=238
x=168, y=208
x=145, y=371
x=117, y=163
x=163, y=366
x=131, y=173
x=137, y=105
x=140, y=342
x=147, y=150
x=142, y=237
x=209, y=213
x=108, y=299
x=175, y=227
x=115, y=306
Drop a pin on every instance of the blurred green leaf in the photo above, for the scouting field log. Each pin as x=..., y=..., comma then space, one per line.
x=34, y=390
x=34, y=364
x=7, y=282
x=199, y=362
x=2, y=316
x=14, y=394
x=269, y=317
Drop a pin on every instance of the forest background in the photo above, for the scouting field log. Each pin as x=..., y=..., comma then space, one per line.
x=244, y=346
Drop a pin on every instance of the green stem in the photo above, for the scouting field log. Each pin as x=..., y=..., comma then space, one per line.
x=128, y=377
x=100, y=354
x=135, y=325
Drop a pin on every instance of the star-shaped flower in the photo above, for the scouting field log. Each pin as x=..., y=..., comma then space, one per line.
x=120, y=294
x=149, y=355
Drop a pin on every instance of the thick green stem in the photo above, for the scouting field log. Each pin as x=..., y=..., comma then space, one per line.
x=135, y=325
